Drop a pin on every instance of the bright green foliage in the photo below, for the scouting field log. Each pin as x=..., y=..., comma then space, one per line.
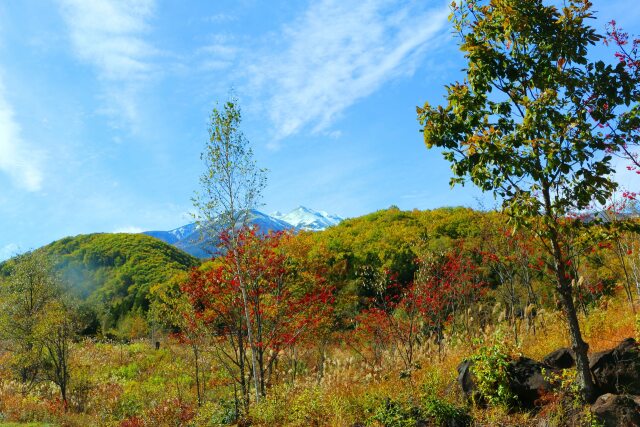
x=171, y=306
x=115, y=271
x=526, y=117
x=307, y=406
x=36, y=321
x=26, y=295
x=55, y=333
x=490, y=368
x=219, y=413
x=434, y=411
x=444, y=413
x=391, y=413
x=391, y=239
x=533, y=122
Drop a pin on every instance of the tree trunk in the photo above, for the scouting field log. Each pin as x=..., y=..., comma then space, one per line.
x=581, y=348
x=321, y=359
x=252, y=344
x=63, y=392
x=627, y=280
x=585, y=379
x=262, y=370
x=241, y=359
x=197, y=366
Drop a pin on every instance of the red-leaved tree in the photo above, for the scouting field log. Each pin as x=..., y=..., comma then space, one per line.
x=283, y=304
x=443, y=289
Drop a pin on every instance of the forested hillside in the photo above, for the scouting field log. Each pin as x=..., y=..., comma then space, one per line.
x=112, y=273
x=392, y=239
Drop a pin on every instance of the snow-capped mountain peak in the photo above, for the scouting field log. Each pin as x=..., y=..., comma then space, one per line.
x=189, y=238
x=175, y=235
x=303, y=218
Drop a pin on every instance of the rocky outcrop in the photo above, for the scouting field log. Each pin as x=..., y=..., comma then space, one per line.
x=613, y=410
x=467, y=381
x=616, y=373
x=617, y=370
x=526, y=381
x=562, y=358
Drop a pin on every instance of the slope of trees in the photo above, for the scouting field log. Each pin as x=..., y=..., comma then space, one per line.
x=392, y=240
x=113, y=272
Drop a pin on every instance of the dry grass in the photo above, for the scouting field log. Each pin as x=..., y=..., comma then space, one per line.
x=350, y=391
x=350, y=388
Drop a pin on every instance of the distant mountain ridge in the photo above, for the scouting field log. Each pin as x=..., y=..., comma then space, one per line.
x=188, y=237
x=175, y=235
x=308, y=219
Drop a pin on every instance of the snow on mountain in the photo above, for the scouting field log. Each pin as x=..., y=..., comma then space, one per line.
x=189, y=239
x=303, y=218
x=175, y=235
x=267, y=223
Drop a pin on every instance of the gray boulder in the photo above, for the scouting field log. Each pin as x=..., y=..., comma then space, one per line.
x=526, y=381
x=617, y=370
x=467, y=382
x=562, y=358
x=614, y=410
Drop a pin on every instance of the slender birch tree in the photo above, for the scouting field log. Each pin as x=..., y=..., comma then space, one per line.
x=230, y=188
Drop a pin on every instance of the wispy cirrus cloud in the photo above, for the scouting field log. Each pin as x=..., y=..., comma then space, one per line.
x=20, y=161
x=220, y=53
x=338, y=52
x=109, y=36
x=220, y=17
x=8, y=251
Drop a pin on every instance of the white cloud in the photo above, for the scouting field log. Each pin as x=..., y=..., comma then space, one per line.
x=18, y=160
x=108, y=35
x=218, y=54
x=220, y=17
x=338, y=52
x=8, y=251
x=129, y=229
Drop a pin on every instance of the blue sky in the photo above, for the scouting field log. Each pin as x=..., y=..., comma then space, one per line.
x=104, y=106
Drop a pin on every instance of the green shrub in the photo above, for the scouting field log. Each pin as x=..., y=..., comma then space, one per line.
x=130, y=404
x=391, y=413
x=444, y=413
x=128, y=372
x=490, y=368
x=216, y=413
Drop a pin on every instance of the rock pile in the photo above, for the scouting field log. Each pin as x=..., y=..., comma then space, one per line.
x=616, y=373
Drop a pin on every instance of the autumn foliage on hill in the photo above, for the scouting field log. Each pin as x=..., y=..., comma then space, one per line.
x=287, y=303
x=333, y=320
